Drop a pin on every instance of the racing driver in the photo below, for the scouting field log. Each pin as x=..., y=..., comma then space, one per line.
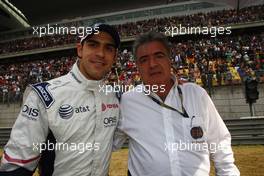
x=73, y=111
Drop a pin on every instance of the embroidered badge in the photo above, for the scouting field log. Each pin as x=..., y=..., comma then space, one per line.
x=196, y=132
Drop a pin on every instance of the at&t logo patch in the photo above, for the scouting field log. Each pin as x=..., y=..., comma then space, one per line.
x=66, y=111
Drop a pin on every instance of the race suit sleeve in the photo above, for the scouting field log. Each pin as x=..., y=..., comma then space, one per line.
x=219, y=140
x=119, y=136
x=22, y=152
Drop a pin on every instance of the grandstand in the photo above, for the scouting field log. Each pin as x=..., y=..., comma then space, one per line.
x=212, y=62
x=220, y=64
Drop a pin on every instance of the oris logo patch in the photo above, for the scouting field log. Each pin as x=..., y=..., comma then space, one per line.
x=30, y=113
x=110, y=121
x=109, y=106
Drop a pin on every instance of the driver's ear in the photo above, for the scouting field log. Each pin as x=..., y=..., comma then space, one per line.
x=79, y=50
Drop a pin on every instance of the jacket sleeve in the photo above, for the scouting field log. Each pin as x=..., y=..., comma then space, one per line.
x=219, y=140
x=22, y=152
x=119, y=136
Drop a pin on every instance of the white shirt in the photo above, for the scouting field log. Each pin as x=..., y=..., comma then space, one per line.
x=160, y=141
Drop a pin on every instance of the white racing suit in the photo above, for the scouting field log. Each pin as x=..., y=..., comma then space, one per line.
x=82, y=119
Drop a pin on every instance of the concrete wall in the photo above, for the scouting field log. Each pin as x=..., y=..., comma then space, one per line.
x=230, y=102
x=8, y=114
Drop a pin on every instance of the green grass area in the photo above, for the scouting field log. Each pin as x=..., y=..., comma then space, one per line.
x=1, y=152
x=249, y=160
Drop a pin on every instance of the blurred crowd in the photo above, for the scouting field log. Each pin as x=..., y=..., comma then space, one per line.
x=205, y=60
x=216, y=18
x=14, y=78
x=208, y=62
x=220, y=61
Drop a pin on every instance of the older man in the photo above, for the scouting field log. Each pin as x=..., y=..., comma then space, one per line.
x=172, y=129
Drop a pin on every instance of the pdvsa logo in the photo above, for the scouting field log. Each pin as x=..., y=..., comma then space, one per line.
x=30, y=113
x=110, y=121
x=109, y=106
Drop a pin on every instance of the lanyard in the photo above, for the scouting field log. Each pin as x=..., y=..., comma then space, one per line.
x=184, y=113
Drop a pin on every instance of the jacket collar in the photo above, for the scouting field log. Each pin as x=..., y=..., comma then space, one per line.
x=83, y=81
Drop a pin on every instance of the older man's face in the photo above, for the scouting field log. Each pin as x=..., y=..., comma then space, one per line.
x=153, y=63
